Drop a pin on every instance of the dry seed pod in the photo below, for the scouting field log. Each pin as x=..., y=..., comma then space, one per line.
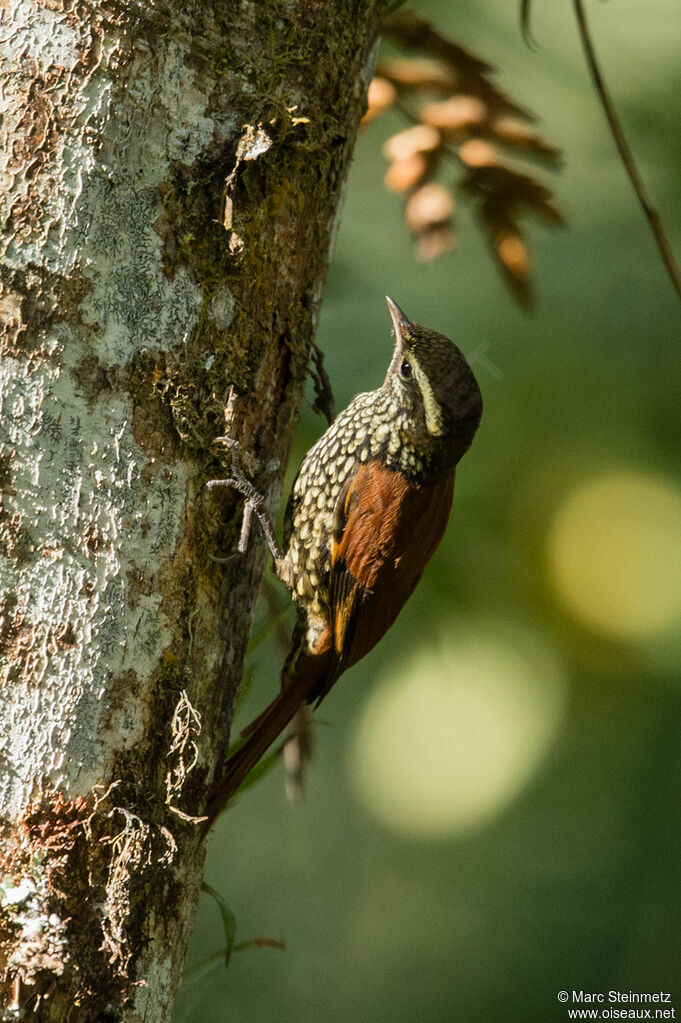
x=381, y=96
x=478, y=153
x=435, y=242
x=506, y=181
x=508, y=189
x=455, y=114
x=430, y=204
x=509, y=248
x=514, y=254
x=428, y=75
x=514, y=133
x=403, y=175
x=419, y=139
x=525, y=191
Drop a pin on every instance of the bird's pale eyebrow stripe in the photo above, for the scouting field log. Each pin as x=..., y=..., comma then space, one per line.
x=430, y=405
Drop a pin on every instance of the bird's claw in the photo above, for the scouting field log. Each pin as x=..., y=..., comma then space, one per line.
x=254, y=503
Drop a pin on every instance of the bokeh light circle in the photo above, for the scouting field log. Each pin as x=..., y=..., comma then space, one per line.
x=615, y=554
x=452, y=736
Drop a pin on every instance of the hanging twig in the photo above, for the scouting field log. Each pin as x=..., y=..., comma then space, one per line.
x=625, y=153
x=525, y=27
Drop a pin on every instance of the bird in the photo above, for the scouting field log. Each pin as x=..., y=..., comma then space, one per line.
x=367, y=510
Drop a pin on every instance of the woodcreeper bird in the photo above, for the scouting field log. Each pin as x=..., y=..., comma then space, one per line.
x=367, y=510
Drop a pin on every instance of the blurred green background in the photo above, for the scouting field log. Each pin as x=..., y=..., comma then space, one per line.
x=493, y=810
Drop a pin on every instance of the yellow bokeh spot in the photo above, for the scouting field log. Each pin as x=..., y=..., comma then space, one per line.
x=615, y=554
x=449, y=739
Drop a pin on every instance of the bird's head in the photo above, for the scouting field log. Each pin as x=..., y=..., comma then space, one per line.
x=429, y=377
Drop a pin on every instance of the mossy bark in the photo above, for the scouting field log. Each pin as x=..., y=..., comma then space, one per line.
x=170, y=185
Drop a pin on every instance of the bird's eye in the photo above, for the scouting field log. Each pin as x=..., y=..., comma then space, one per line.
x=405, y=369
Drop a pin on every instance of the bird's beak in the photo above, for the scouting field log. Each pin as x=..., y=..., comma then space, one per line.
x=400, y=321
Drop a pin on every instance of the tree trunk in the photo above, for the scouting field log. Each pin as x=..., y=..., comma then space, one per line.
x=171, y=175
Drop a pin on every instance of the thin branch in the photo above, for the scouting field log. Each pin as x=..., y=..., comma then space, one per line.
x=525, y=24
x=625, y=153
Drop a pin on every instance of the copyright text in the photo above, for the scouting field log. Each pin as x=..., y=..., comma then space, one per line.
x=618, y=1004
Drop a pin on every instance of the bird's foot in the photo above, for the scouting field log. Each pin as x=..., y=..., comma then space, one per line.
x=254, y=503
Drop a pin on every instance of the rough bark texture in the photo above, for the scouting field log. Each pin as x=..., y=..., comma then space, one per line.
x=170, y=176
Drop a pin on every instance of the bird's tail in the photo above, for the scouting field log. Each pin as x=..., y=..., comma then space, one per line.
x=261, y=732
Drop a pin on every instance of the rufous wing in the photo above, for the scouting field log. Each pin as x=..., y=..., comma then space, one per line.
x=386, y=528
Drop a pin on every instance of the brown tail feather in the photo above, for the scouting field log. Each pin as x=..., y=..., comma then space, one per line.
x=262, y=732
